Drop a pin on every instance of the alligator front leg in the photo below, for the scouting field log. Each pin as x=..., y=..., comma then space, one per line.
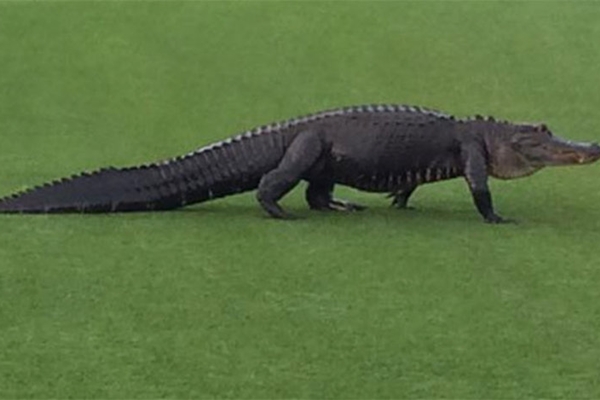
x=476, y=175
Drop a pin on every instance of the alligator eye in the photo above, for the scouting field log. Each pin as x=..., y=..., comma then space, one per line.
x=544, y=129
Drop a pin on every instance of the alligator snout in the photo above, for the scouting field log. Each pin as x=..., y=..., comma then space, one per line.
x=591, y=154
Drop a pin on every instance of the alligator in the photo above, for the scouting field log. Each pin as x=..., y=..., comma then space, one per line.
x=376, y=148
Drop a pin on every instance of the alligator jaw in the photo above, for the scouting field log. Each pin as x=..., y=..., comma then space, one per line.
x=592, y=156
x=569, y=153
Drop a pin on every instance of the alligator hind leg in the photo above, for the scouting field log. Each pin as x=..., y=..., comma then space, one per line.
x=401, y=197
x=302, y=154
x=319, y=196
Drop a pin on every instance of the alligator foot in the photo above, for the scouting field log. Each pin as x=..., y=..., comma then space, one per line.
x=400, y=197
x=340, y=205
x=496, y=219
x=343, y=205
x=283, y=215
x=275, y=210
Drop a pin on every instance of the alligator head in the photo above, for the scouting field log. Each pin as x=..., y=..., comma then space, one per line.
x=522, y=150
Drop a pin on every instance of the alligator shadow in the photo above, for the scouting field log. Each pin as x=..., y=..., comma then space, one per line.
x=374, y=212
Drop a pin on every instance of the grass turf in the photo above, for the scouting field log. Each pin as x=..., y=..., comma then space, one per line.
x=219, y=301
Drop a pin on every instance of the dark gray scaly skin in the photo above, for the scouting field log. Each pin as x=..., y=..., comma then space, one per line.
x=376, y=148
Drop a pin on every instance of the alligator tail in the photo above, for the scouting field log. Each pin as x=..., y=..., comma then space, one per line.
x=231, y=166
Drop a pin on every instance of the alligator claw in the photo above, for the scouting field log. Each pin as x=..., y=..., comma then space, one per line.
x=343, y=205
x=496, y=219
x=339, y=205
x=275, y=210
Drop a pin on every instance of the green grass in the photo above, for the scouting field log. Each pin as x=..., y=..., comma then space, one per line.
x=218, y=301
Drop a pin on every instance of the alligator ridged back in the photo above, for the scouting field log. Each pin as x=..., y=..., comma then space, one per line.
x=231, y=166
x=227, y=167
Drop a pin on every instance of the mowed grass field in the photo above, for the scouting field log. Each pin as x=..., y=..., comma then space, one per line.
x=218, y=301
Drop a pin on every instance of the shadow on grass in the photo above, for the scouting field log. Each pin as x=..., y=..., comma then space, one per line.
x=572, y=218
x=372, y=212
x=254, y=211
